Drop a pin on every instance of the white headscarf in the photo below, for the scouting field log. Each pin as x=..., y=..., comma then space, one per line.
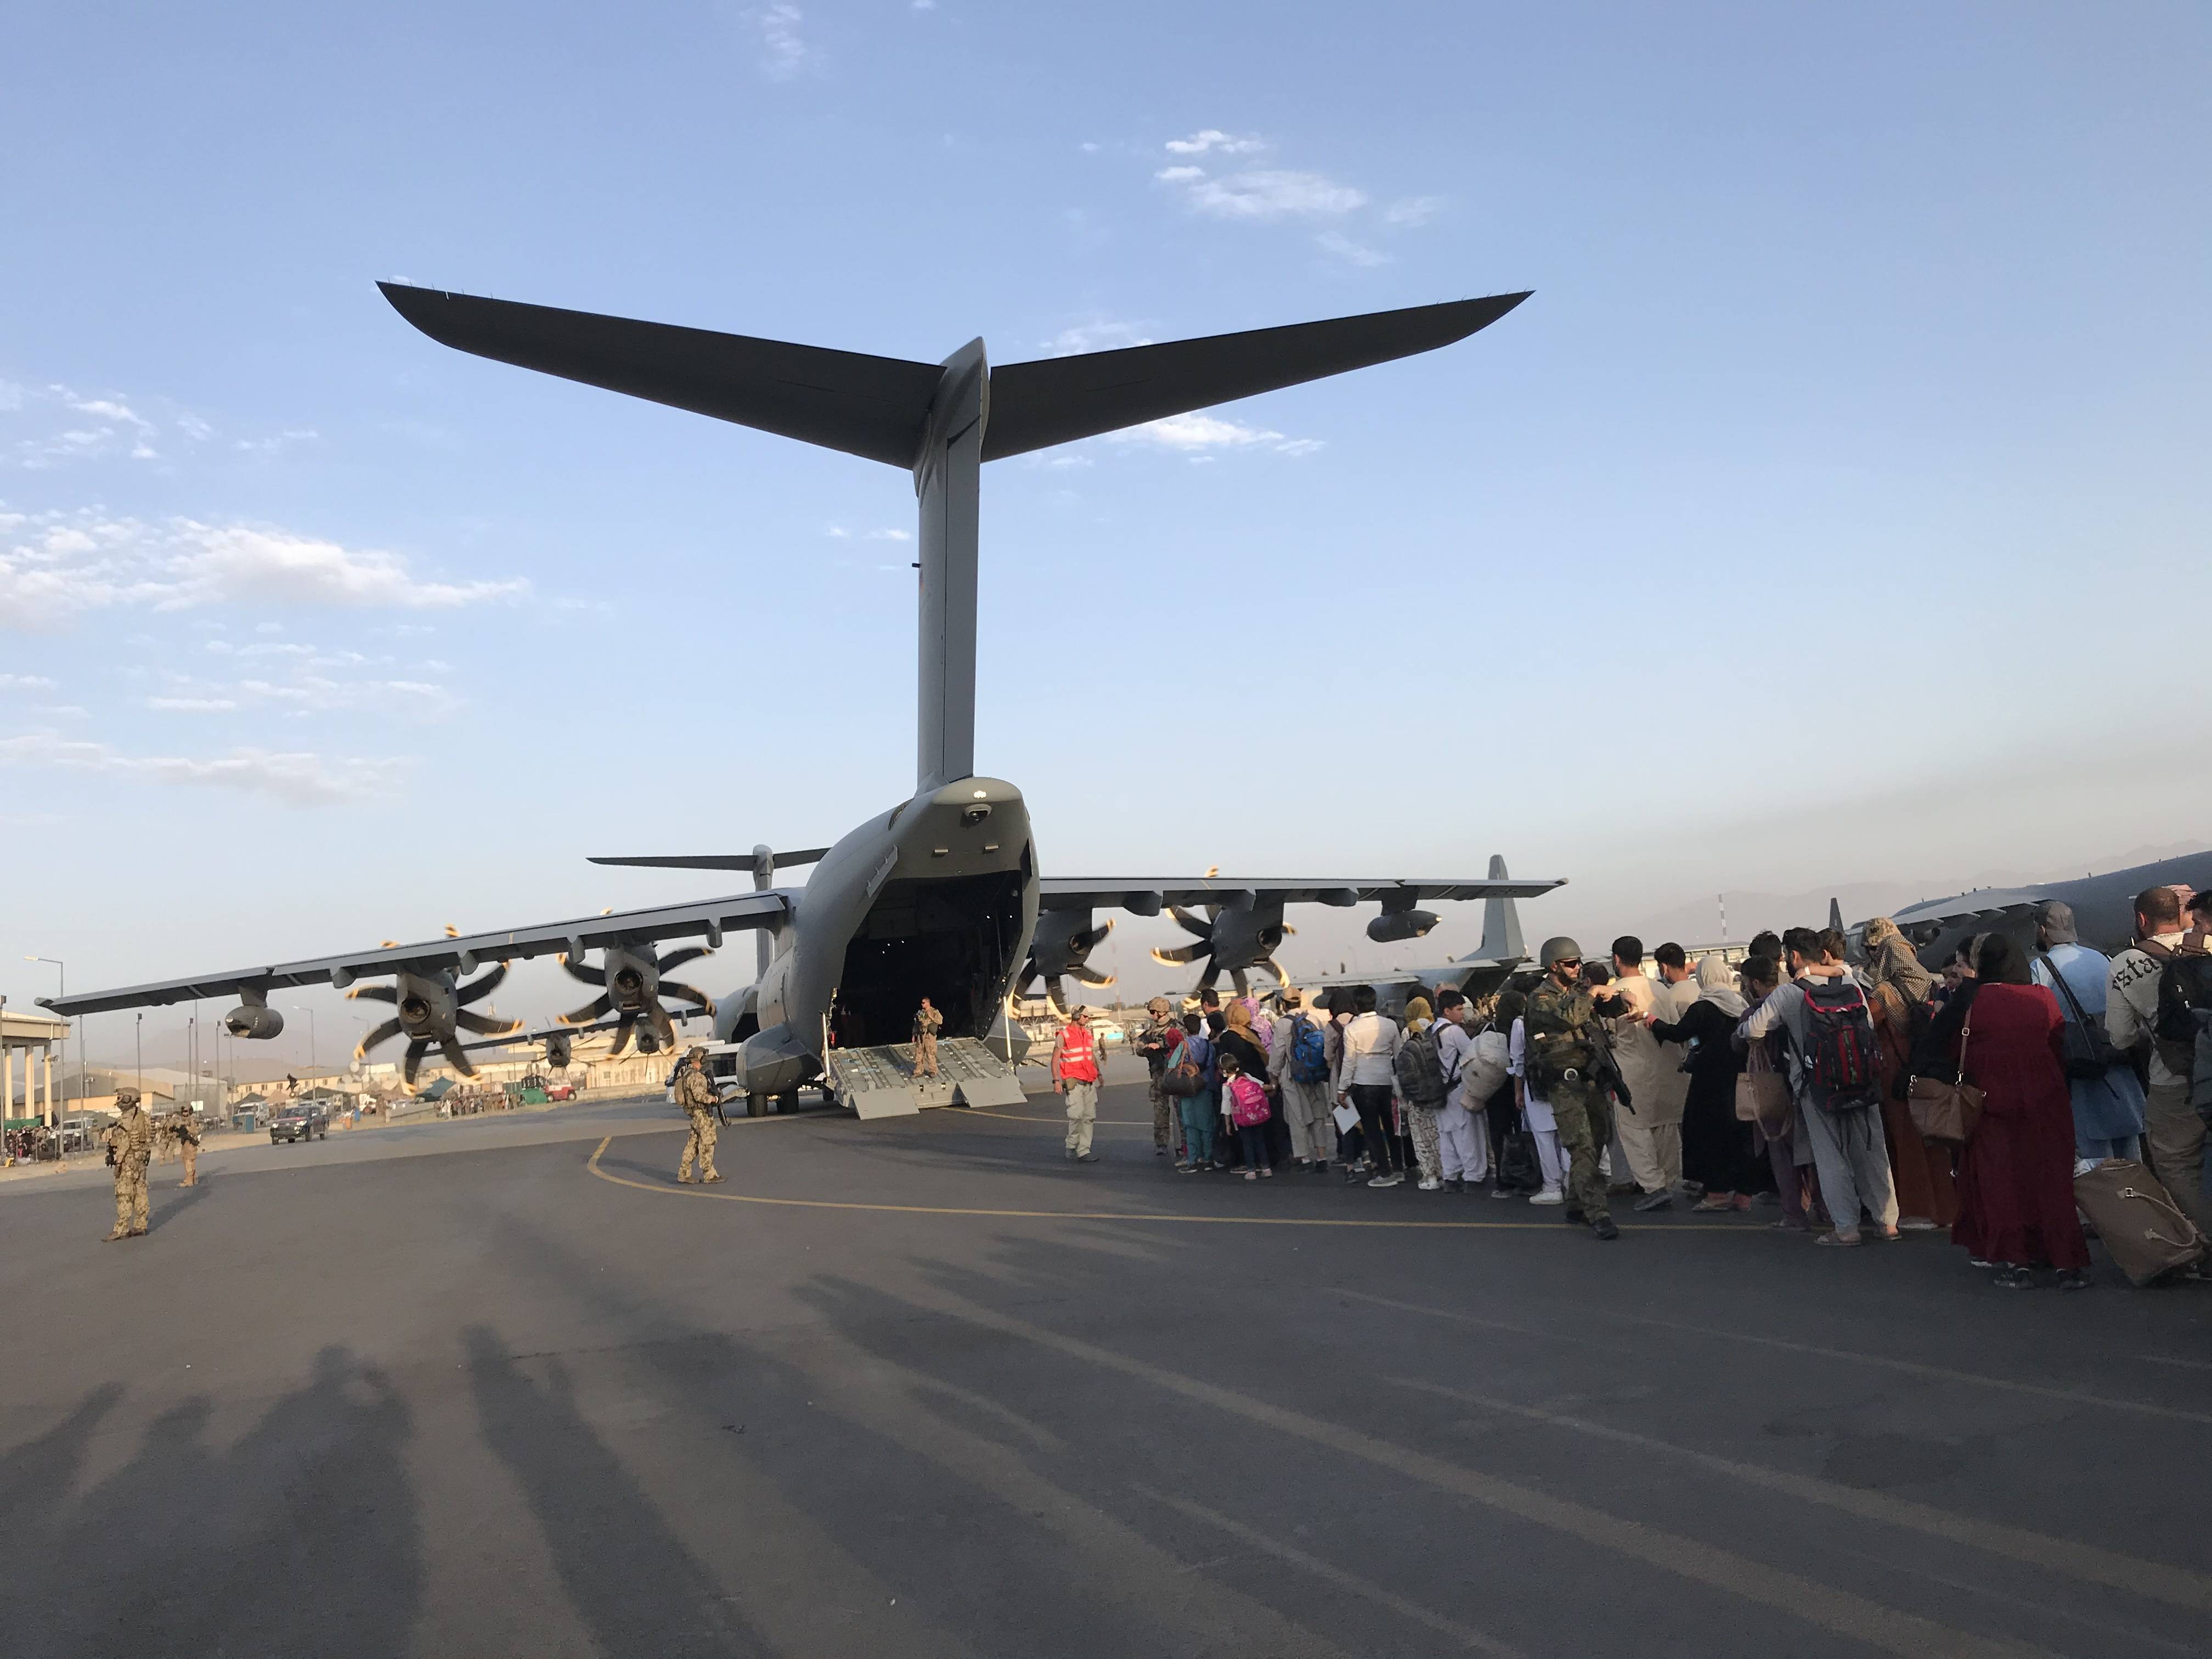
x=1716, y=985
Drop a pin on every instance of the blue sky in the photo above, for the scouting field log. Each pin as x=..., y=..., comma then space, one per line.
x=1830, y=514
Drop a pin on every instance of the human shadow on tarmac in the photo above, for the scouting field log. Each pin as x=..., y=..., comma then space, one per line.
x=301, y=1537
x=165, y=1214
x=637, y=1586
x=883, y=1446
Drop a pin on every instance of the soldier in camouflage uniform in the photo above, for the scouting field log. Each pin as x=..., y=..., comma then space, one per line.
x=927, y=1023
x=695, y=1093
x=1564, y=1050
x=129, y=1149
x=186, y=1135
x=1156, y=1042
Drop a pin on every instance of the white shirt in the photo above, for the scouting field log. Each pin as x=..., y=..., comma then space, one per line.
x=1454, y=1050
x=1538, y=1109
x=1371, y=1043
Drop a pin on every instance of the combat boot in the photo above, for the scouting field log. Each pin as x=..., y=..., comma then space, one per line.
x=137, y=1232
x=120, y=1232
x=683, y=1181
x=709, y=1181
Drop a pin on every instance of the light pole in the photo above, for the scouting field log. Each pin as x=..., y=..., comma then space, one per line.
x=58, y=962
x=138, y=1047
x=298, y=1009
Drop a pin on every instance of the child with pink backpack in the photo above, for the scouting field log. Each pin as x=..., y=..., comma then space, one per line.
x=1244, y=1100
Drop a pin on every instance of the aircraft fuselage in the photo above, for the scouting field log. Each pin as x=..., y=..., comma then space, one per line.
x=936, y=897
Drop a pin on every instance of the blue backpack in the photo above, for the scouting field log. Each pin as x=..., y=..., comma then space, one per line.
x=1308, y=1053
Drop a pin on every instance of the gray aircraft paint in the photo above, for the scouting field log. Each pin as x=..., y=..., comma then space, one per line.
x=834, y=955
x=2103, y=906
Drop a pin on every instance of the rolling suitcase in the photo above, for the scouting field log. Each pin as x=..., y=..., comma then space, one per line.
x=2146, y=1235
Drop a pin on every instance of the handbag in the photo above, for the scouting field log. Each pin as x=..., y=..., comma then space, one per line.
x=1762, y=1094
x=1947, y=1111
x=1519, y=1168
x=2084, y=1050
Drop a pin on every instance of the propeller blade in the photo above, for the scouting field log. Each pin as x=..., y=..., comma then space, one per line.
x=1276, y=969
x=1056, y=994
x=591, y=1010
x=1237, y=978
x=452, y=931
x=677, y=958
x=1182, y=955
x=1190, y=922
x=663, y=1027
x=485, y=1027
x=1094, y=979
x=589, y=975
x=373, y=994
x=1206, y=980
x=623, y=1027
x=457, y=1057
x=480, y=988
x=415, y=1049
x=668, y=987
x=382, y=1034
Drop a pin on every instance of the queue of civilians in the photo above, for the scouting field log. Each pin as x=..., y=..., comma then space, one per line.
x=1863, y=1101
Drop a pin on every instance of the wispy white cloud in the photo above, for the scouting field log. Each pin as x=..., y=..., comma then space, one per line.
x=57, y=565
x=297, y=779
x=1266, y=193
x=1212, y=139
x=1411, y=212
x=1355, y=253
x=840, y=533
x=921, y=5
x=276, y=443
x=24, y=682
x=1195, y=434
x=193, y=705
x=1182, y=175
x=1097, y=336
x=785, y=52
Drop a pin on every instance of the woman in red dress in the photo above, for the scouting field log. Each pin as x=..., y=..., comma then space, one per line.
x=2016, y=1177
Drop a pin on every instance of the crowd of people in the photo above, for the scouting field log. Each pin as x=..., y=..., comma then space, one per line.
x=1860, y=1100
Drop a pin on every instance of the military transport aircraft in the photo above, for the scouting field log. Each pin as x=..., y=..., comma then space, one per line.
x=1493, y=960
x=2104, y=908
x=940, y=895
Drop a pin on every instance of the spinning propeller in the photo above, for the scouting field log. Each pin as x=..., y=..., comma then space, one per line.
x=1231, y=936
x=632, y=994
x=432, y=1010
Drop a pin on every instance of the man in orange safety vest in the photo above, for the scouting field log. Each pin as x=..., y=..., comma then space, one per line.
x=1078, y=1067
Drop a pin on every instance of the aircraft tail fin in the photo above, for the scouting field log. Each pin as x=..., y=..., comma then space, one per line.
x=1501, y=924
x=1836, y=914
x=1056, y=400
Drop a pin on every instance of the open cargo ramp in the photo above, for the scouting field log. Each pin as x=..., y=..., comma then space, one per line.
x=880, y=1082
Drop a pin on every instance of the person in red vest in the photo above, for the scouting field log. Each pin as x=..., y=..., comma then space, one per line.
x=1078, y=1067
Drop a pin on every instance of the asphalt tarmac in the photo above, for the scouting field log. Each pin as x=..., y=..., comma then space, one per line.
x=923, y=1387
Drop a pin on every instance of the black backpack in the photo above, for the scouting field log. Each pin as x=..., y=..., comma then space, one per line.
x=1420, y=1074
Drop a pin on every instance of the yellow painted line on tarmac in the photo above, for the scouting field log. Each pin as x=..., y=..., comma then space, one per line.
x=671, y=1190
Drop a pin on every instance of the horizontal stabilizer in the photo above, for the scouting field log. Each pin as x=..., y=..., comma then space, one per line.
x=1056, y=400
x=720, y=861
x=878, y=407
x=873, y=407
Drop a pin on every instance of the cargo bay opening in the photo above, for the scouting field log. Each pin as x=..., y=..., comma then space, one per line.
x=953, y=940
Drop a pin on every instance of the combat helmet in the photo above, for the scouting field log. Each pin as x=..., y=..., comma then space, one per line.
x=126, y=1096
x=1558, y=948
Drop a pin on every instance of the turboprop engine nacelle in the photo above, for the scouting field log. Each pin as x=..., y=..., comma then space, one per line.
x=258, y=1023
x=1388, y=928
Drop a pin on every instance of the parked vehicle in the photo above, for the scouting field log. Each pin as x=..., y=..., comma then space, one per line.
x=301, y=1120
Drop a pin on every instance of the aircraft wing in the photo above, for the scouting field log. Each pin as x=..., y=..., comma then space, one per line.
x=709, y=919
x=1146, y=896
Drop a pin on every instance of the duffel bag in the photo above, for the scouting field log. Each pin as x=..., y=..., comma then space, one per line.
x=2148, y=1237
